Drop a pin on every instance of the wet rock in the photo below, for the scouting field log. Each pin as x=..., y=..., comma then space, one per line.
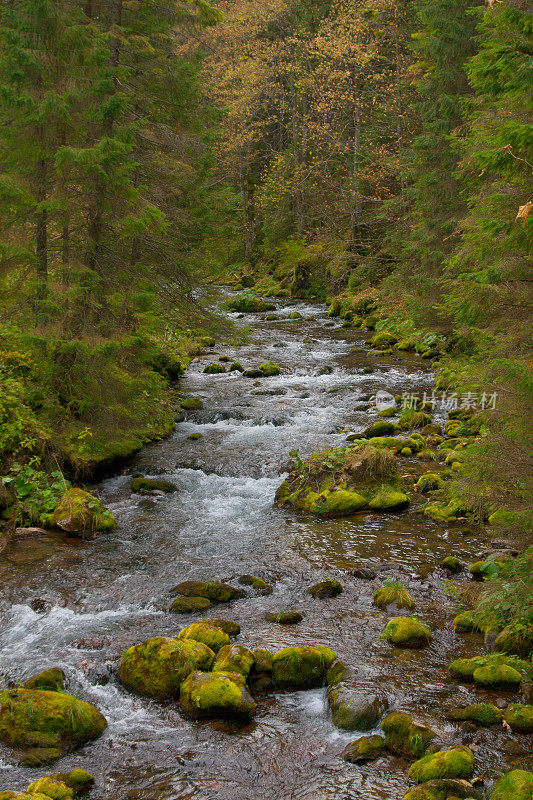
x=253, y=373
x=388, y=499
x=301, y=667
x=458, y=762
x=497, y=676
x=520, y=718
x=39, y=605
x=515, y=640
x=234, y=658
x=367, y=748
x=284, y=617
x=210, y=635
x=338, y=503
x=452, y=564
x=464, y=668
x=214, y=369
x=406, y=737
x=484, y=714
x=407, y=632
x=364, y=573
x=379, y=428
x=514, y=785
x=48, y=787
x=383, y=339
x=325, y=589
x=337, y=672
x=79, y=780
x=82, y=513
x=46, y=724
x=31, y=533
x=194, y=437
x=355, y=709
x=191, y=404
x=236, y=366
x=444, y=788
x=270, y=369
x=429, y=482
x=260, y=586
x=228, y=626
x=263, y=660
x=216, y=695
x=327, y=370
x=464, y=623
x=214, y=591
x=248, y=304
x=393, y=593
x=207, y=341
x=157, y=667
x=50, y=679
x=189, y=605
x=141, y=484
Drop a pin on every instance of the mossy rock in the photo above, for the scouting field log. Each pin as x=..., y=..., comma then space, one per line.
x=214, y=369
x=481, y=570
x=497, y=676
x=301, y=667
x=379, y=428
x=407, y=345
x=141, y=484
x=81, y=512
x=47, y=724
x=253, y=373
x=444, y=789
x=263, y=660
x=337, y=672
x=54, y=789
x=191, y=404
x=78, y=779
x=294, y=315
x=429, y=482
x=226, y=625
x=464, y=623
x=393, y=594
x=370, y=322
x=215, y=695
x=337, y=503
x=443, y=512
x=271, y=317
x=406, y=451
x=194, y=437
x=411, y=420
x=212, y=590
x=234, y=658
x=210, y=635
x=248, y=304
x=464, y=668
x=354, y=709
x=519, y=717
x=387, y=498
x=407, y=632
x=514, y=785
x=458, y=762
x=484, y=714
x=260, y=586
x=52, y=680
x=157, y=667
x=270, y=369
x=406, y=737
x=516, y=640
x=367, y=748
x=284, y=617
x=236, y=366
x=189, y=605
x=325, y=589
x=453, y=564
x=383, y=339
x=387, y=413
x=207, y=341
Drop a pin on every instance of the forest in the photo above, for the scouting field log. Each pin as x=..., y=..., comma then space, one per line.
x=185, y=187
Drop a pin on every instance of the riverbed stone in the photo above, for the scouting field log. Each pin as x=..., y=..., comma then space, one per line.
x=464, y=623
x=367, y=748
x=140, y=484
x=338, y=672
x=207, y=341
x=393, y=593
x=270, y=369
x=444, y=789
x=284, y=617
x=388, y=498
x=210, y=635
x=78, y=779
x=516, y=640
x=227, y=625
x=364, y=573
x=214, y=369
x=189, y=605
x=464, y=668
x=52, y=679
x=458, y=762
x=497, y=676
x=514, y=785
x=301, y=667
x=50, y=788
x=337, y=503
x=46, y=724
x=379, y=428
x=191, y=404
x=234, y=658
x=404, y=736
x=82, y=513
x=520, y=717
x=484, y=714
x=407, y=632
x=216, y=695
x=260, y=586
x=325, y=589
x=213, y=590
x=157, y=667
x=429, y=482
x=236, y=366
x=353, y=708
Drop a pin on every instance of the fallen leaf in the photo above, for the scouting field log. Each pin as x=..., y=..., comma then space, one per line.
x=524, y=211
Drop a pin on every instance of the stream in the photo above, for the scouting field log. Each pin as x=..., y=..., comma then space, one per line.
x=78, y=605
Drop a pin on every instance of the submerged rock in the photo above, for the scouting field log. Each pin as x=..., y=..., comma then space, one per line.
x=216, y=695
x=355, y=709
x=458, y=762
x=393, y=593
x=514, y=785
x=325, y=589
x=189, y=605
x=157, y=667
x=210, y=635
x=407, y=632
x=284, y=617
x=404, y=736
x=301, y=667
x=227, y=625
x=260, y=586
x=484, y=714
x=51, y=679
x=519, y=717
x=140, y=484
x=81, y=512
x=367, y=748
x=212, y=590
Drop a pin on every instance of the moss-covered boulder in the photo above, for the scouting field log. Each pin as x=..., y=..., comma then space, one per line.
x=458, y=762
x=497, y=676
x=445, y=512
x=51, y=679
x=157, y=667
x=464, y=668
x=46, y=724
x=301, y=667
x=383, y=339
x=227, y=625
x=407, y=632
x=214, y=369
x=191, y=404
x=406, y=737
x=212, y=590
x=260, y=586
x=367, y=748
x=516, y=640
x=410, y=419
x=79, y=780
x=216, y=695
x=464, y=623
x=444, y=789
x=393, y=593
x=207, y=341
x=337, y=503
x=140, y=484
x=337, y=672
x=263, y=660
x=519, y=717
x=482, y=570
x=236, y=366
x=52, y=788
x=249, y=304
x=325, y=589
x=429, y=482
x=270, y=369
x=452, y=564
x=387, y=498
x=514, y=785
x=234, y=658
x=354, y=709
x=189, y=605
x=284, y=617
x=82, y=513
x=210, y=635
x=379, y=428
x=484, y=714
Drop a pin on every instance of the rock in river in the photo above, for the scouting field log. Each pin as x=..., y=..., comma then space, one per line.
x=301, y=667
x=215, y=695
x=212, y=590
x=353, y=708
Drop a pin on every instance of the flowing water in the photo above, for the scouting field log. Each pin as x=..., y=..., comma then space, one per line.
x=79, y=605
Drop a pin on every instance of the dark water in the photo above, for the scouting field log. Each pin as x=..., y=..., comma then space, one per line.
x=103, y=596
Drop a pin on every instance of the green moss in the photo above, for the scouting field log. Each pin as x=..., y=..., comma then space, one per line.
x=284, y=617
x=248, y=304
x=210, y=635
x=191, y=404
x=404, y=736
x=141, y=484
x=337, y=503
x=443, y=789
x=429, y=482
x=458, y=762
x=465, y=667
x=464, y=623
x=497, y=676
x=443, y=512
x=194, y=437
x=337, y=672
x=480, y=570
x=516, y=639
x=367, y=748
x=214, y=369
x=387, y=498
x=207, y=341
x=407, y=632
x=189, y=605
x=520, y=717
x=484, y=714
x=260, y=586
x=81, y=512
x=47, y=723
x=393, y=593
x=379, y=428
x=301, y=667
x=212, y=590
x=51, y=679
x=78, y=779
x=353, y=709
x=406, y=451
x=226, y=625
x=383, y=339
x=263, y=660
x=55, y=790
x=411, y=419
x=214, y=695
x=157, y=667
x=514, y=785
x=270, y=369
x=452, y=564
x=234, y=658
x=326, y=588
x=236, y=366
